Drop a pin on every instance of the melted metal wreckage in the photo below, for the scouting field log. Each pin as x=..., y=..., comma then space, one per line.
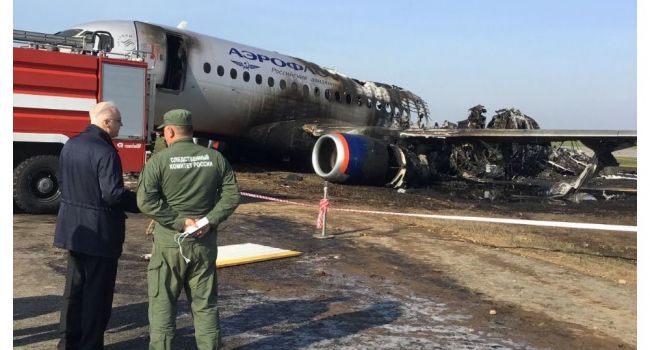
x=511, y=147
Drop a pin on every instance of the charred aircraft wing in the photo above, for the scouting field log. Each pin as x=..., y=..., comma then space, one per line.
x=611, y=139
x=602, y=142
x=415, y=156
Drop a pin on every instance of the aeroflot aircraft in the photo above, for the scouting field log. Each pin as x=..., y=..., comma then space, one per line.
x=356, y=131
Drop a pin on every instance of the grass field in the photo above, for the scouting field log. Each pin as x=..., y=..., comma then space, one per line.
x=625, y=157
x=628, y=162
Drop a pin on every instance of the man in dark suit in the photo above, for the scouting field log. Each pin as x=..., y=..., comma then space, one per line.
x=90, y=225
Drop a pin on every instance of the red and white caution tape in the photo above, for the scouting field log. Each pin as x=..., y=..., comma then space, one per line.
x=259, y=196
x=325, y=206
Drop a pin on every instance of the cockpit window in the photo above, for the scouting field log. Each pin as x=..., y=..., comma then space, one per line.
x=69, y=32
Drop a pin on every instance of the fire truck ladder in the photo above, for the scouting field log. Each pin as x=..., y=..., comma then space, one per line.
x=88, y=42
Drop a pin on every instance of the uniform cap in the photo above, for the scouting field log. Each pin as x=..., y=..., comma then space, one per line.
x=177, y=117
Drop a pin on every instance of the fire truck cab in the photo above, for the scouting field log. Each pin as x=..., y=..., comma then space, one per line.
x=57, y=80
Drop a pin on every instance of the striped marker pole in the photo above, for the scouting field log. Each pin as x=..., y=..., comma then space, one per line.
x=321, y=222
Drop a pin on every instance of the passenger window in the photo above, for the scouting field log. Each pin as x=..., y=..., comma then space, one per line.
x=233, y=73
x=327, y=94
x=206, y=67
x=379, y=106
x=283, y=84
x=294, y=86
x=271, y=82
x=359, y=101
x=337, y=95
x=348, y=98
x=246, y=76
x=220, y=71
x=316, y=91
x=305, y=90
x=258, y=79
x=369, y=102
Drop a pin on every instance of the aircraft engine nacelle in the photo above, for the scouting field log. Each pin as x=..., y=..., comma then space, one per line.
x=347, y=158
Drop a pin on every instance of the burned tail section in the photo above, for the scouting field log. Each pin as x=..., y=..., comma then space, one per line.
x=364, y=103
x=478, y=159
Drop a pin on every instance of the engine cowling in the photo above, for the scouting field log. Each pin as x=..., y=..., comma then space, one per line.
x=347, y=158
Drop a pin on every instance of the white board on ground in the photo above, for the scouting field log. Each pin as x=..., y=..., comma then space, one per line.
x=246, y=253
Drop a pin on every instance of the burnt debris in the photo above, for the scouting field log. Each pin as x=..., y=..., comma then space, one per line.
x=485, y=159
x=480, y=160
x=476, y=119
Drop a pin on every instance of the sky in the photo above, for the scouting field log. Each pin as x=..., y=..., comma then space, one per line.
x=568, y=64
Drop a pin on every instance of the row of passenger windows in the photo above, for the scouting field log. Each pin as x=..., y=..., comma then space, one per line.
x=359, y=100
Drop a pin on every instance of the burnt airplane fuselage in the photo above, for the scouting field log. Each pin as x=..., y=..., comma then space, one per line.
x=238, y=91
x=356, y=131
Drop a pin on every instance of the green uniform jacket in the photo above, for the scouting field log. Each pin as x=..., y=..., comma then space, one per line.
x=186, y=180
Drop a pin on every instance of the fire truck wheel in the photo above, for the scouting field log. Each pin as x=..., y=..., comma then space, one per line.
x=36, y=189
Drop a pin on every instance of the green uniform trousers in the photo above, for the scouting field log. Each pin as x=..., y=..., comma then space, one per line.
x=167, y=274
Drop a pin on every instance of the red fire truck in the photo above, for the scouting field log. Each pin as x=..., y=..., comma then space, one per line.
x=56, y=82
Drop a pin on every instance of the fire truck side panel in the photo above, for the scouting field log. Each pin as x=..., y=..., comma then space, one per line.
x=53, y=92
x=54, y=74
x=36, y=120
x=124, y=83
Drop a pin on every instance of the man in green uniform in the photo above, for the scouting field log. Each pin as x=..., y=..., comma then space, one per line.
x=178, y=186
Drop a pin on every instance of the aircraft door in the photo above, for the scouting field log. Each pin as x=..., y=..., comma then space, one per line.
x=167, y=55
x=176, y=65
x=153, y=41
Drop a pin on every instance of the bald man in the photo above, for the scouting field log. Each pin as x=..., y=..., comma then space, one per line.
x=90, y=225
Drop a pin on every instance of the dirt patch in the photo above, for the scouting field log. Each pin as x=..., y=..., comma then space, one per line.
x=382, y=282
